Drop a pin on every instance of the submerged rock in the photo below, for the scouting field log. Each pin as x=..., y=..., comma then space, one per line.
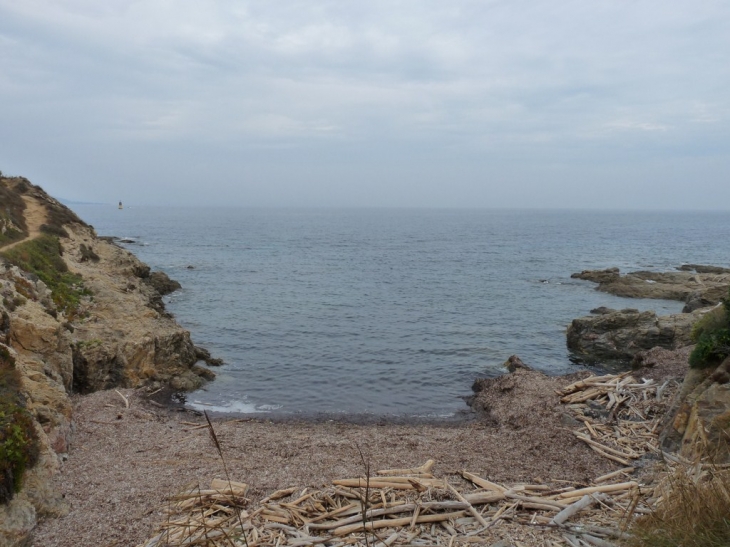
x=701, y=268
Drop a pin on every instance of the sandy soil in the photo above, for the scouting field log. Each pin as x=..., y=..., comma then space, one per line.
x=125, y=462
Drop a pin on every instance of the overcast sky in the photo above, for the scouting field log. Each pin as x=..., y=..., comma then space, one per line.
x=516, y=103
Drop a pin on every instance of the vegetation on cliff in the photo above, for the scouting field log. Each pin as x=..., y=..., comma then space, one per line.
x=42, y=256
x=12, y=220
x=18, y=439
x=712, y=336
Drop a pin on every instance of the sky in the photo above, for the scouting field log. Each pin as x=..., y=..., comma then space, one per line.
x=487, y=104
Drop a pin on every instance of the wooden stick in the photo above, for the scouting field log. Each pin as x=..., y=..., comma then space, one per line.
x=279, y=494
x=609, y=456
x=126, y=401
x=436, y=483
x=415, y=516
x=582, y=397
x=554, y=504
x=597, y=542
x=389, y=541
x=470, y=507
x=363, y=483
x=395, y=523
x=593, y=489
x=587, y=382
x=605, y=448
x=484, y=483
x=482, y=498
x=401, y=508
x=609, y=476
x=571, y=510
x=425, y=468
x=225, y=486
x=354, y=507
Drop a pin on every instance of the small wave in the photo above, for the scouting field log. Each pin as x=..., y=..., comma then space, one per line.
x=232, y=407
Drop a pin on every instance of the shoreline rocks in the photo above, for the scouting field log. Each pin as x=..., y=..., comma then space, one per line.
x=696, y=285
x=117, y=335
x=619, y=335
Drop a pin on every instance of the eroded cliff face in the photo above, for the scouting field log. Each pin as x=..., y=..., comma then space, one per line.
x=123, y=336
x=698, y=425
x=118, y=335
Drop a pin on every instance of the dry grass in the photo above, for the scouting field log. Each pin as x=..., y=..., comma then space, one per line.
x=693, y=510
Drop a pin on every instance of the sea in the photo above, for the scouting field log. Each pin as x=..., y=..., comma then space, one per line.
x=391, y=312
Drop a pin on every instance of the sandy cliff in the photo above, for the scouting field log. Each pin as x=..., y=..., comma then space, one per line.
x=103, y=326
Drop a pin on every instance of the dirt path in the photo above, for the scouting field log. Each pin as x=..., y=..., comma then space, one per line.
x=35, y=217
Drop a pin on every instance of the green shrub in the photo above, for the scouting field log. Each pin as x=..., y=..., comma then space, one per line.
x=42, y=257
x=711, y=349
x=18, y=438
x=712, y=334
x=713, y=320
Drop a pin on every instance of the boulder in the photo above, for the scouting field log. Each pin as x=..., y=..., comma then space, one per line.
x=514, y=363
x=162, y=283
x=618, y=335
x=608, y=275
x=704, y=298
x=18, y=518
x=203, y=354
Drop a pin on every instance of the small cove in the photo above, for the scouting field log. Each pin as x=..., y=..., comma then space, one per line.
x=391, y=312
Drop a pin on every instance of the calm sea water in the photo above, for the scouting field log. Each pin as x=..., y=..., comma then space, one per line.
x=387, y=311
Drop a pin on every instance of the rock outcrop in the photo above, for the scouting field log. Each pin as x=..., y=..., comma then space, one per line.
x=698, y=286
x=115, y=334
x=618, y=335
x=699, y=423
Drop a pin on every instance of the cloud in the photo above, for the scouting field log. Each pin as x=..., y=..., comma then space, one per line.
x=631, y=125
x=482, y=84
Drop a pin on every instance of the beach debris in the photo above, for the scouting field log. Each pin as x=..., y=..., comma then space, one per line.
x=395, y=507
x=620, y=414
x=620, y=417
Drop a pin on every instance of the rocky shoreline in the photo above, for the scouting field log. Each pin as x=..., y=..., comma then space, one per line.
x=619, y=337
x=89, y=340
x=97, y=322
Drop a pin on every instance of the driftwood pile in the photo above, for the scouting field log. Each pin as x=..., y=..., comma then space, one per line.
x=620, y=414
x=397, y=507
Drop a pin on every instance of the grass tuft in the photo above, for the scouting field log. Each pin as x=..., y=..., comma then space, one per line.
x=694, y=511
